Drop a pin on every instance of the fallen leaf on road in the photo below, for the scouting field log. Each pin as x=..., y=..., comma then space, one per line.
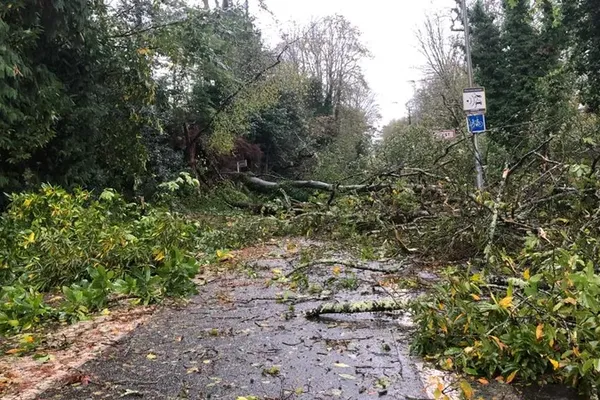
x=151, y=356
x=43, y=358
x=130, y=392
x=341, y=365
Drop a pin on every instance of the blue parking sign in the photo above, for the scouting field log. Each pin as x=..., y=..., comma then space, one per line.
x=476, y=123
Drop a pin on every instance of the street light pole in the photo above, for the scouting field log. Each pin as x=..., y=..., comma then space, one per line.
x=478, y=161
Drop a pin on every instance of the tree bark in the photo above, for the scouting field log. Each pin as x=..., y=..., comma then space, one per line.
x=316, y=185
x=356, y=307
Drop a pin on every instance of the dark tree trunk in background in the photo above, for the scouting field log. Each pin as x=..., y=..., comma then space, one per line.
x=190, y=148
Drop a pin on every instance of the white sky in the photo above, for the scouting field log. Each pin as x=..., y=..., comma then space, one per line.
x=388, y=28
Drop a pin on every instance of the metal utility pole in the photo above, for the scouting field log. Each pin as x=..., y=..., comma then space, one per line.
x=478, y=161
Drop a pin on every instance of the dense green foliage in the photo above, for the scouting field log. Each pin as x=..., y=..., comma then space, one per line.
x=130, y=94
x=161, y=100
x=515, y=52
x=541, y=326
x=93, y=249
x=519, y=301
x=180, y=86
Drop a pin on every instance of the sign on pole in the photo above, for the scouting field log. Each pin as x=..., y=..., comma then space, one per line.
x=474, y=100
x=448, y=134
x=476, y=123
x=242, y=164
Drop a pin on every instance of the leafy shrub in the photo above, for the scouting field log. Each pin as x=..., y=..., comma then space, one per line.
x=540, y=326
x=55, y=237
x=21, y=309
x=92, y=248
x=178, y=191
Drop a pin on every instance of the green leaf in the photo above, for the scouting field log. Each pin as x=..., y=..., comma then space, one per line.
x=453, y=351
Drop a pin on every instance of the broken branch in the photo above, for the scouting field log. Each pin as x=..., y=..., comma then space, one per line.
x=356, y=307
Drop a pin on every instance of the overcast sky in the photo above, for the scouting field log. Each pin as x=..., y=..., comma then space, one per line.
x=388, y=28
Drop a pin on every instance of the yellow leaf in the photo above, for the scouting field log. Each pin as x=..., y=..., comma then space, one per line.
x=506, y=302
x=151, y=356
x=499, y=343
x=27, y=203
x=526, y=274
x=291, y=247
x=511, y=377
x=159, y=256
x=475, y=297
x=444, y=328
x=466, y=389
x=143, y=51
x=14, y=351
x=337, y=270
x=571, y=300
x=224, y=255
x=31, y=237
x=539, y=332
x=554, y=363
x=106, y=311
x=576, y=351
x=28, y=339
x=483, y=381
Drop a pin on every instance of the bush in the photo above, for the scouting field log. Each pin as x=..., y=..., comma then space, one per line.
x=92, y=248
x=542, y=325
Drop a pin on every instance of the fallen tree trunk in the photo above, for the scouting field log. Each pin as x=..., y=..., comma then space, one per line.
x=356, y=307
x=316, y=185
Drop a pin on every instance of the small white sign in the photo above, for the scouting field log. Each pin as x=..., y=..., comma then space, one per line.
x=242, y=164
x=474, y=100
x=448, y=134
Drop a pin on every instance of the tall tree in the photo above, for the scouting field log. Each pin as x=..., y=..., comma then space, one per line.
x=582, y=18
x=513, y=52
x=438, y=103
x=70, y=73
x=329, y=50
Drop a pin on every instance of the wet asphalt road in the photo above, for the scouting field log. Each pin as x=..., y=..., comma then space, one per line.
x=241, y=337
